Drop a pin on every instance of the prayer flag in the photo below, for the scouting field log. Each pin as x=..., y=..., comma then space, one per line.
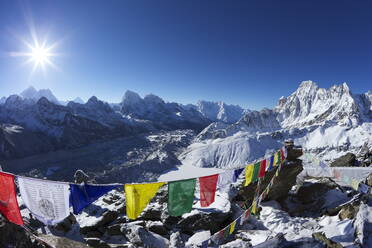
x=208, y=187
x=271, y=163
x=138, y=196
x=276, y=159
x=237, y=172
x=180, y=196
x=255, y=172
x=261, y=172
x=8, y=199
x=232, y=227
x=224, y=180
x=254, y=207
x=282, y=156
x=248, y=174
x=47, y=201
x=205, y=244
x=82, y=195
x=226, y=231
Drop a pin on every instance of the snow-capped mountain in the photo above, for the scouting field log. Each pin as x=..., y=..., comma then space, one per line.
x=32, y=93
x=164, y=115
x=326, y=122
x=220, y=111
x=78, y=100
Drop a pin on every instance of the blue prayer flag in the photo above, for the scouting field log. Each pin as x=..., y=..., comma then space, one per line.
x=205, y=244
x=237, y=173
x=83, y=195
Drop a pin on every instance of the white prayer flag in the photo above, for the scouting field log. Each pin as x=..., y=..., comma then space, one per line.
x=47, y=201
x=225, y=180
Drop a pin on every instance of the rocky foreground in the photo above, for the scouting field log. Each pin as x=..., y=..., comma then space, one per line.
x=310, y=213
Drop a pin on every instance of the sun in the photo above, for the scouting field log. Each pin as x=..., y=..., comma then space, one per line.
x=39, y=54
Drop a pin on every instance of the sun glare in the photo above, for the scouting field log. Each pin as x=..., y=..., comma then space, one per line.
x=38, y=54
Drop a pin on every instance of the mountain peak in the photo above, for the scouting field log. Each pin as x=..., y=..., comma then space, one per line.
x=131, y=97
x=151, y=98
x=78, y=100
x=32, y=93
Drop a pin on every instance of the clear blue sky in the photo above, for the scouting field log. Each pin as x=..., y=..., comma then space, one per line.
x=242, y=52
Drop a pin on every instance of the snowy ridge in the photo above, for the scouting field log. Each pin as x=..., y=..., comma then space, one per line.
x=220, y=111
x=326, y=122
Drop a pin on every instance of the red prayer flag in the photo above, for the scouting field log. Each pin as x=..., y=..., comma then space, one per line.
x=282, y=154
x=208, y=187
x=261, y=173
x=8, y=199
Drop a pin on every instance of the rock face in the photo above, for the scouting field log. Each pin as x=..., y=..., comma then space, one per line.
x=15, y=236
x=347, y=160
x=283, y=183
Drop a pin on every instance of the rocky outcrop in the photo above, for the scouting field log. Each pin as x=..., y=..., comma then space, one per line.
x=16, y=236
x=347, y=160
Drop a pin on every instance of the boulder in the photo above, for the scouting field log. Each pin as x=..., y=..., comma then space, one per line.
x=326, y=241
x=66, y=224
x=157, y=227
x=140, y=237
x=199, y=220
x=347, y=160
x=176, y=240
x=348, y=211
x=12, y=235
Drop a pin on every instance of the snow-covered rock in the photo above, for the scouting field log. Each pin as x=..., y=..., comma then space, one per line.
x=220, y=111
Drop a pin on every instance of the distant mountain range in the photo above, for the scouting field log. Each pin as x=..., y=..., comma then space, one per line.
x=327, y=122
x=51, y=124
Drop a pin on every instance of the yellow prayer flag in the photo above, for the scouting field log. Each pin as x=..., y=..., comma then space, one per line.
x=138, y=197
x=276, y=158
x=354, y=184
x=232, y=227
x=248, y=174
x=254, y=207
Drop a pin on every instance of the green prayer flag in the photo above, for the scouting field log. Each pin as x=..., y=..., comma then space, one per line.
x=255, y=171
x=181, y=196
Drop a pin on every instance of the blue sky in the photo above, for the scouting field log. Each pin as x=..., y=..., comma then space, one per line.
x=241, y=52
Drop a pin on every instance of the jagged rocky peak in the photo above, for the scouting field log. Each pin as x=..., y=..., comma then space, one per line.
x=310, y=104
x=131, y=97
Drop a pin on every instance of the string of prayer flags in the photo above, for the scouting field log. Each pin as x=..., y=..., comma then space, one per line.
x=248, y=174
x=82, y=195
x=8, y=199
x=256, y=169
x=180, y=196
x=47, y=201
x=262, y=170
x=208, y=187
x=224, y=180
x=138, y=197
x=237, y=172
x=232, y=227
